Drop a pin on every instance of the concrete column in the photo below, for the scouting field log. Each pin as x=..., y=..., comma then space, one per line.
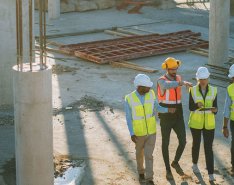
x=232, y=7
x=33, y=125
x=218, y=31
x=7, y=50
x=53, y=9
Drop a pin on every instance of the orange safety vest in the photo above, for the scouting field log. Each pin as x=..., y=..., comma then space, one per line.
x=170, y=96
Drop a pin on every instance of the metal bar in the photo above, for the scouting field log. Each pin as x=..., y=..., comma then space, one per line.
x=17, y=31
x=30, y=34
x=41, y=33
x=44, y=32
x=20, y=36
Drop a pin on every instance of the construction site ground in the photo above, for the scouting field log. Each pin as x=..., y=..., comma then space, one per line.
x=88, y=100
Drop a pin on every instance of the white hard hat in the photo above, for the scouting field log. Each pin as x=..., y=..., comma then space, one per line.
x=231, y=71
x=142, y=80
x=202, y=73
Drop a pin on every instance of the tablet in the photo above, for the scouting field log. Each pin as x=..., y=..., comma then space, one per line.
x=205, y=108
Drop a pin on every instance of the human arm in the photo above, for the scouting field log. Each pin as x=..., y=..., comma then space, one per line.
x=226, y=115
x=215, y=105
x=128, y=112
x=192, y=105
x=161, y=109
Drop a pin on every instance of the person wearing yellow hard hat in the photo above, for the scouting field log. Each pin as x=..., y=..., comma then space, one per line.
x=203, y=107
x=169, y=95
x=228, y=114
x=140, y=108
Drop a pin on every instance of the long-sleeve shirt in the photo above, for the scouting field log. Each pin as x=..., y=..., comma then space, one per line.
x=167, y=84
x=128, y=111
x=194, y=106
x=228, y=102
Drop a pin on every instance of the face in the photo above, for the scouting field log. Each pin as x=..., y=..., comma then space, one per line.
x=172, y=72
x=203, y=82
x=143, y=90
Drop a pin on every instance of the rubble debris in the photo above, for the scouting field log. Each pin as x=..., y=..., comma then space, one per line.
x=59, y=69
x=137, y=5
x=86, y=103
x=62, y=163
x=6, y=115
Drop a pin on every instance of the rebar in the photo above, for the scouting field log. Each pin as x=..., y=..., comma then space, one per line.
x=19, y=34
x=30, y=34
x=42, y=35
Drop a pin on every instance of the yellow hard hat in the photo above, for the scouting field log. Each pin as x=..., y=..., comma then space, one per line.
x=171, y=63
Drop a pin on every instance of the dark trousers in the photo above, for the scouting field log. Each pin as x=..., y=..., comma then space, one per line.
x=232, y=143
x=208, y=137
x=174, y=122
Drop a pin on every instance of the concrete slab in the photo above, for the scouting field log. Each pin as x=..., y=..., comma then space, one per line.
x=72, y=176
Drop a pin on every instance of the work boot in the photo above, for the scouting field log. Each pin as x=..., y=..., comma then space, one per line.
x=151, y=182
x=177, y=167
x=169, y=175
x=142, y=177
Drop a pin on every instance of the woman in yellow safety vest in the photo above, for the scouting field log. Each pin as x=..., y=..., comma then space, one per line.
x=203, y=107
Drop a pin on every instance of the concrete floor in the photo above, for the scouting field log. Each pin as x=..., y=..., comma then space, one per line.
x=102, y=138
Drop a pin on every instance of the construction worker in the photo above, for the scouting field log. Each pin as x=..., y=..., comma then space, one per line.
x=203, y=107
x=229, y=113
x=140, y=108
x=169, y=95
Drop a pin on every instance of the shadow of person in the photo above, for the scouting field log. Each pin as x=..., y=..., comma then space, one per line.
x=171, y=181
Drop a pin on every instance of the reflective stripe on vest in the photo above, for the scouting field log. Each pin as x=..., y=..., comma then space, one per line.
x=203, y=119
x=230, y=90
x=143, y=118
x=170, y=96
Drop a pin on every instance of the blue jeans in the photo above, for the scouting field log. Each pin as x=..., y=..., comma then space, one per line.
x=232, y=143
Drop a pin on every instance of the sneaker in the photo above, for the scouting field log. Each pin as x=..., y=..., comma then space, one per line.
x=195, y=168
x=142, y=177
x=169, y=175
x=211, y=177
x=177, y=167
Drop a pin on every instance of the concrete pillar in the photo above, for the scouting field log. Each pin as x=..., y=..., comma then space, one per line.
x=33, y=125
x=232, y=7
x=7, y=50
x=218, y=31
x=53, y=9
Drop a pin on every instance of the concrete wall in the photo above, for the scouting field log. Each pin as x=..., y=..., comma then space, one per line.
x=7, y=50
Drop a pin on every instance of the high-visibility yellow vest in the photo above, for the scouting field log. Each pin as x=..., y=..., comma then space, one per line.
x=230, y=90
x=203, y=119
x=143, y=117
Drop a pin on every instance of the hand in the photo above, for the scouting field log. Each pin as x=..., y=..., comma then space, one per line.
x=134, y=138
x=214, y=110
x=225, y=132
x=200, y=104
x=171, y=110
x=188, y=84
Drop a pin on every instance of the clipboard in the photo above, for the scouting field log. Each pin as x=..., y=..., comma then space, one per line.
x=205, y=108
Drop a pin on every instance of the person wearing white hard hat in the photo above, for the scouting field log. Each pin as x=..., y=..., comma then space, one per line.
x=228, y=113
x=170, y=95
x=203, y=107
x=140, y=106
